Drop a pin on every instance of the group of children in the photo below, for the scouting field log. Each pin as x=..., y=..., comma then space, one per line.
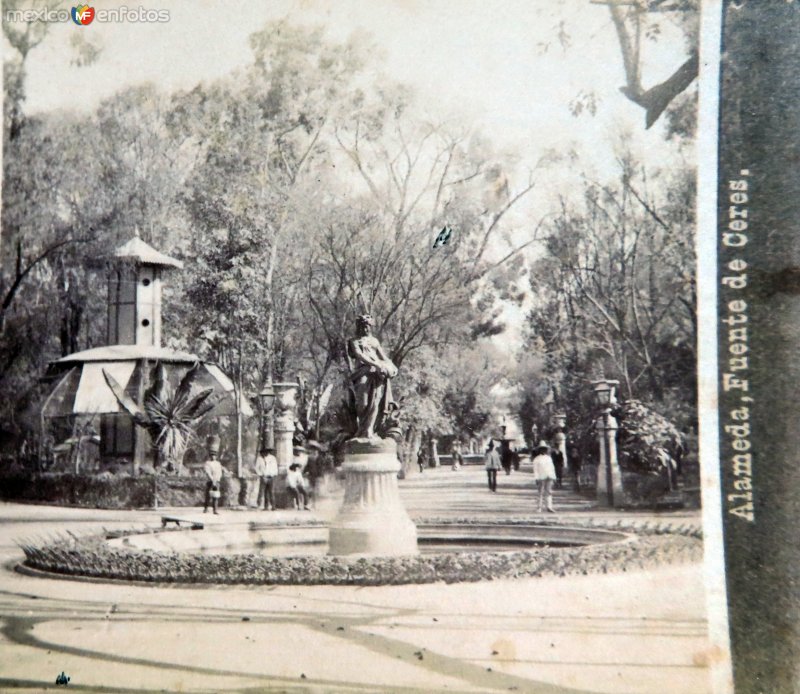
x=266, y=469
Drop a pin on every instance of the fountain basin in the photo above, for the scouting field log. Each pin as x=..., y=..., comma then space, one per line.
x=462, y=551
x=312, y=539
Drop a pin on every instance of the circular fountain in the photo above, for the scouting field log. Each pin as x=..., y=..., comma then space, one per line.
x=372, y=540
x=312, y=539
x=450, y=551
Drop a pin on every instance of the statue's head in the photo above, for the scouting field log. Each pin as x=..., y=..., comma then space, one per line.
x=364, y=324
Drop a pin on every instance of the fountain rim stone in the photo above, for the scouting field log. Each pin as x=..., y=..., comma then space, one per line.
x=646, y=547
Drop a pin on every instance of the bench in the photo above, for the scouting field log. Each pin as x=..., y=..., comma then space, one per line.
x=194, y=525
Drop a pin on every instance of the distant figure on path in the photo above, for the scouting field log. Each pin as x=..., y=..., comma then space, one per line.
x=505, y=456
x=574, y=457
x=213, y=472
x=492, y=465
x=558, y=464
x=458, y=459
x=267, y=470
x=421, y=459
x=544, y=473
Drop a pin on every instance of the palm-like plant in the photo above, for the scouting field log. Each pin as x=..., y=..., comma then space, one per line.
x=169, y=415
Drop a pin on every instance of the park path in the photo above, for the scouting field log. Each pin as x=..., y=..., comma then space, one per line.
x=465, y=493
x=642, y=632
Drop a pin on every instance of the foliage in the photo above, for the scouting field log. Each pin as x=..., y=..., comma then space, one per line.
x=92, y=556
x=615, y=295
x=93, y=491
x=301, y=191
x=169, y=415
x=637, y=26
x=647, y=442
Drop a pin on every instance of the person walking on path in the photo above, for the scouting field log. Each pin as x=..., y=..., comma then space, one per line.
x=544, y=473
x=267, y=470
x=492, y=465
x=574, y=457
x=213, y=473
x=458, y=459
x=505, y=456
x=296, y=486
x=421, y=459
x=558, y=464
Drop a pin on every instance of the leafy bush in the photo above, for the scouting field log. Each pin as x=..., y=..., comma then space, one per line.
x=647, y=441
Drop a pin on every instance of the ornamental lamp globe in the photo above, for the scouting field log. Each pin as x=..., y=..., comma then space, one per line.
x=604, y=392
x=267, y=397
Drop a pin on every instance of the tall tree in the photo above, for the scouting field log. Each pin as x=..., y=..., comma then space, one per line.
x=261, y=135
x=616, y=288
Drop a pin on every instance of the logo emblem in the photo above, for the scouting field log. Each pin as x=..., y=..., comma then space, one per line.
x=82, y=15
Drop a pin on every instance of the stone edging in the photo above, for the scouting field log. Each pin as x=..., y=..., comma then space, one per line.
x=92, y=557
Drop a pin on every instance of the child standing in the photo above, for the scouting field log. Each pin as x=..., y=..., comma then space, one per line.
x=544, y=473
x=213, y=473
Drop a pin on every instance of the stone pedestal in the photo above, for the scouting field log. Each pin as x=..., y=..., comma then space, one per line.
x=434, y=453
x=372, y=520
x=609, y=475
x=283, y=428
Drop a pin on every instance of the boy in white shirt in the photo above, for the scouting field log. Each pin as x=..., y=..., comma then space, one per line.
x=266, y=468
x=296, y=486
x=213, y=473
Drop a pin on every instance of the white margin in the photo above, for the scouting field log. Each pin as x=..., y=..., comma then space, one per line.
x=719, y=656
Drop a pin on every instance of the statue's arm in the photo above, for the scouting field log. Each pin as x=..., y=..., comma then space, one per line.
x=355, y=351
x=386, y=363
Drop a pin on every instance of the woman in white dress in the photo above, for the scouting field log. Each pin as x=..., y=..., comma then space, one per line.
x=544, y=473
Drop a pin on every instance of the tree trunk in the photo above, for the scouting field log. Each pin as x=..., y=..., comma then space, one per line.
x=237, y=394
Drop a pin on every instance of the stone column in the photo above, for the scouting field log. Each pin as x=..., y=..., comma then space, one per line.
x=283, y=427
x=434, y=462
x=372, y=519
x=560, y=444
x=609, y=475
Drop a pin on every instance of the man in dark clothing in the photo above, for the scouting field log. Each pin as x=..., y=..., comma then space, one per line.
x=558, y=463
x=574, y=457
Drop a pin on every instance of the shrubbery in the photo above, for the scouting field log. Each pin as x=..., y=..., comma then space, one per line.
x=647, y=441
x=69, y=489
x=92, y=557
x=106, y=490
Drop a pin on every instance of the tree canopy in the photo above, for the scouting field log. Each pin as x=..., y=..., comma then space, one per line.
x=304, y=190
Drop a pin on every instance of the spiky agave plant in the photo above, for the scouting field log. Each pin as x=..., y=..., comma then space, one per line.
x=168, y=415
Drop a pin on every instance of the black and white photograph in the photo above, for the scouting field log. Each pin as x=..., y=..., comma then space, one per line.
x=404, y=346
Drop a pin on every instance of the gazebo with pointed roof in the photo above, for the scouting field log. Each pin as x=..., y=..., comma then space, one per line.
x=135, y=277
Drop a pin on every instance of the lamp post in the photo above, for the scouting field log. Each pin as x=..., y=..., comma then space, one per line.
x=266, y=432
x=609, y=475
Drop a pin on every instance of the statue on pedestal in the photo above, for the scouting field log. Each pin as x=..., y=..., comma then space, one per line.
x=370, y=385
x=372, y=519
